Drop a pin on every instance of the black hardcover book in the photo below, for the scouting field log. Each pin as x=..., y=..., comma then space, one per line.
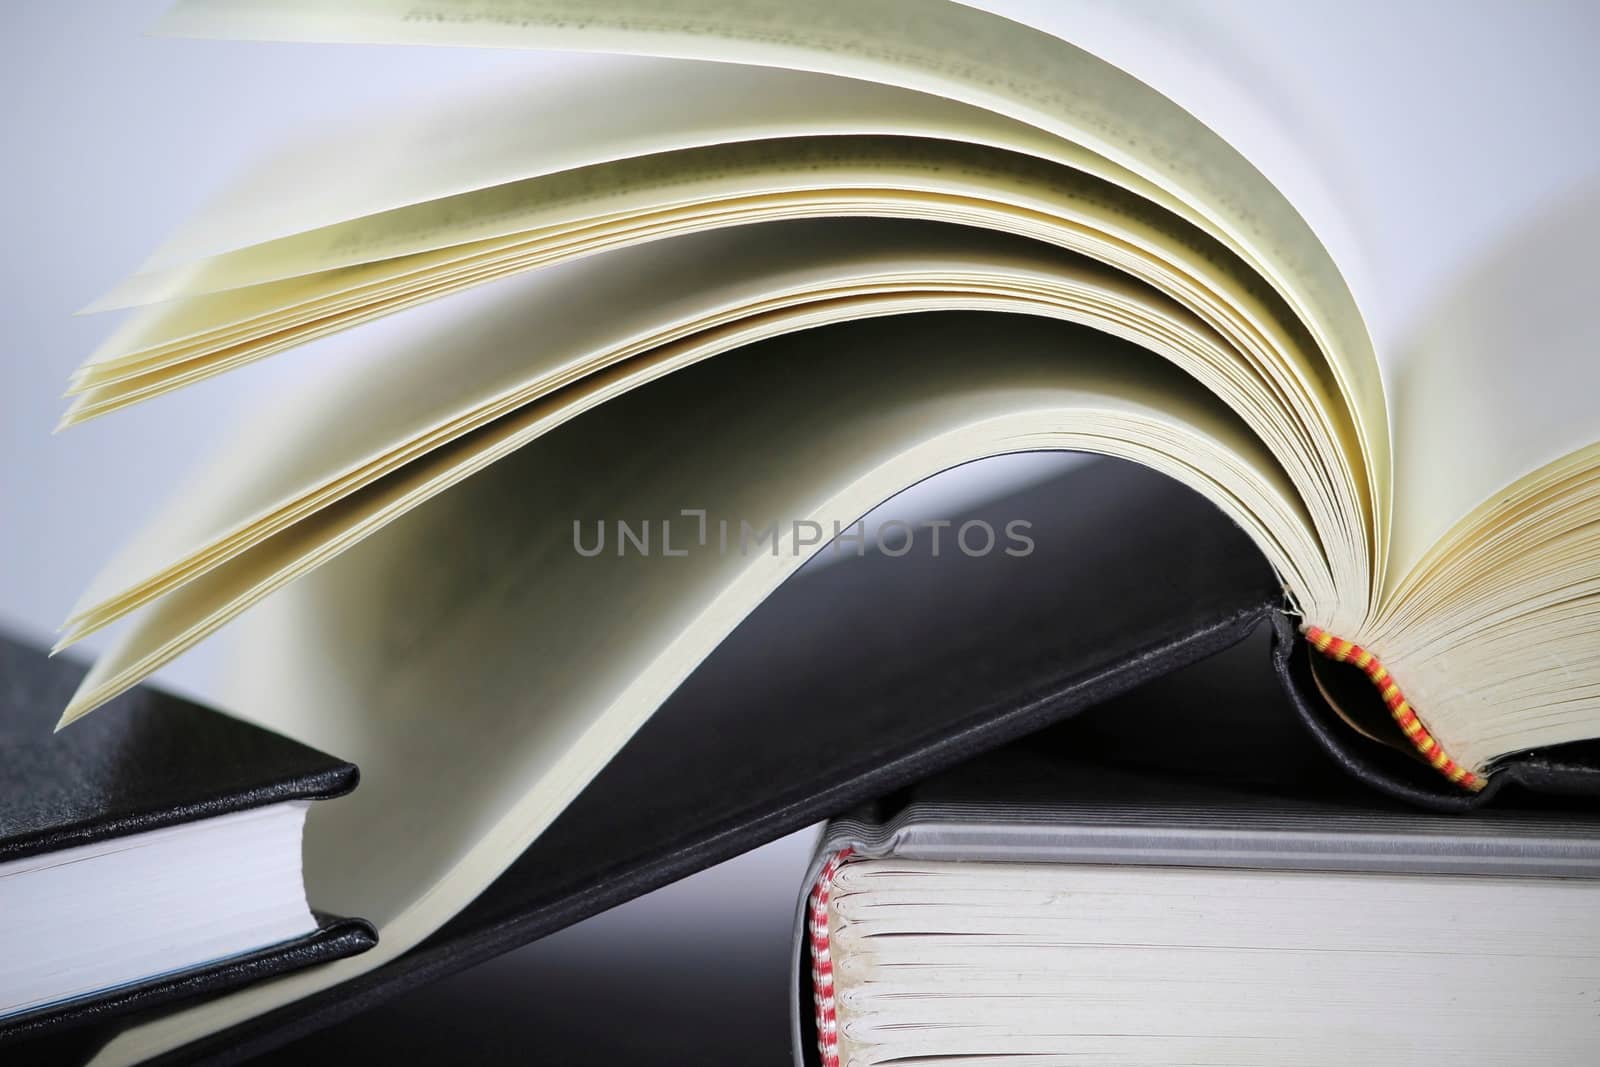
x=148, y=857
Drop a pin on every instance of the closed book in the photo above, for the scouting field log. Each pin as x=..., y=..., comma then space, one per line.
x=1155, y=883
x=150, y=858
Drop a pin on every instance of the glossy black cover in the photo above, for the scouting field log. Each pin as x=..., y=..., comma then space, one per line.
x=147, y=760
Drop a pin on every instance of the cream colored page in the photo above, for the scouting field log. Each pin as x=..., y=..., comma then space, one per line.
x=1372, y=117
x=395, y=380
x=408, y=377
x=589, y=109
x=379, y=656
x=1242, y=69
x=940, y=48
x=1384, y=150
x=1282, y=527
x=759, y=181
x=1502, y=378
x=539, y=219
x=518, y=132
x=575, y=213
x=435, y=232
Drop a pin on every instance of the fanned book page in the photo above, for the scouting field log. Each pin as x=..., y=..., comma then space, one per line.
x=651, y=282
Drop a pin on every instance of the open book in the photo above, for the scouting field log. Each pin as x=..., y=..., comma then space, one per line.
x=787, y=260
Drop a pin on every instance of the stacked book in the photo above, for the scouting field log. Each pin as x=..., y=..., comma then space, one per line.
x=533, y=565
